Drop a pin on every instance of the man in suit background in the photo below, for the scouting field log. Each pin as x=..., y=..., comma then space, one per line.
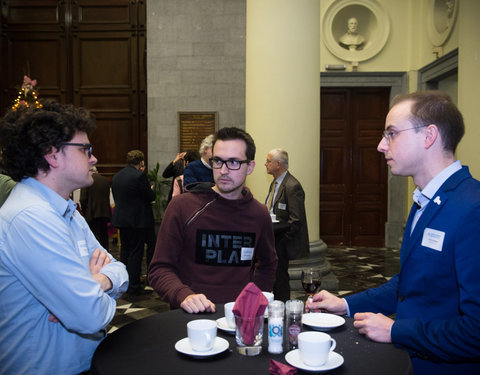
x=95, y=203
x=436, y=295
x=133, y=215
x=286, y=200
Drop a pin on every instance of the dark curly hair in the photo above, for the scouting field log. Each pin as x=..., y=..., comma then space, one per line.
x=27, y=135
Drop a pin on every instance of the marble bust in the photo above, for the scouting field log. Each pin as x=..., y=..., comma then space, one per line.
x=352, y=40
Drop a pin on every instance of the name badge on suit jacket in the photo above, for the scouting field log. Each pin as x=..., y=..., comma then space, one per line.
x=433, y=239
x=282, y=206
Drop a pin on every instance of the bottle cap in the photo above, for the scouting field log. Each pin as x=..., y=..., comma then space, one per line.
x=276, y=309
x=294, y=306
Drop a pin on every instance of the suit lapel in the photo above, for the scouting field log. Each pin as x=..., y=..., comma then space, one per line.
x=438, y=200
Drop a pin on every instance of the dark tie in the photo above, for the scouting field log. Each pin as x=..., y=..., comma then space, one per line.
x=270, y=194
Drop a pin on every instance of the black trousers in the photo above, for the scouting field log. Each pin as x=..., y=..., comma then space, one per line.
x=131, y=254
x=151, y=241
x=281, y=287
x=99, y=227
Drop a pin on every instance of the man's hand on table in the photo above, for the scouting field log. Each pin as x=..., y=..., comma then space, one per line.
x=98, y=260
x=326, y=302
x=376, y=327
x=196, y=303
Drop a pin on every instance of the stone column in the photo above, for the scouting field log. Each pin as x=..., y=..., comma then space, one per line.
x=283, y=96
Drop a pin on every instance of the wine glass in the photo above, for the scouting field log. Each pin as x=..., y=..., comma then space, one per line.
x=311, y=281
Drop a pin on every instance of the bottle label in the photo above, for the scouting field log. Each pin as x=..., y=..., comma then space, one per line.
x=275, y=331
x=293, y=332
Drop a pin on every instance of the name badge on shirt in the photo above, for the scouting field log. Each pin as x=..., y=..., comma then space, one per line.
x=82, y=248
x=247, y=253
x=433, y=239
x=282, y=206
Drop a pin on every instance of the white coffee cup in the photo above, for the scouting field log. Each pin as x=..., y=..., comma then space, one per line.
x=202, y=334
x=315, y=347
x=269, y=296
x=229, y=317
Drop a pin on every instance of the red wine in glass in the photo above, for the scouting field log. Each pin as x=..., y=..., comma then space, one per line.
x=311, y=281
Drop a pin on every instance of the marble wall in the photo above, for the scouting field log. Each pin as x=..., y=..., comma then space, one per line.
x=195, y=62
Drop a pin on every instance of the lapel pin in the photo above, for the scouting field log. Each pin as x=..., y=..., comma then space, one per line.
x=437, y=200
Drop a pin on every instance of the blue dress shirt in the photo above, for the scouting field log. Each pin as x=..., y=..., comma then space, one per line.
x=45, y=249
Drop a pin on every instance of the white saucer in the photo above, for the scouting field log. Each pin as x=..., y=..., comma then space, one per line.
x=322, y=321
x=223, y=325
x=334, y=360
x=183, y=346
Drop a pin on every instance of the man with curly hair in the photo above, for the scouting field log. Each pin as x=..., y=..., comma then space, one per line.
x=57, y=284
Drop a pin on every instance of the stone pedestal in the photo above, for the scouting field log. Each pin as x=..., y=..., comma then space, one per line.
x=316, y=259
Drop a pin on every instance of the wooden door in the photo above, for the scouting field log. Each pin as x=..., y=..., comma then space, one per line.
x=33, y=43
x=353, y=174
x=90, y=53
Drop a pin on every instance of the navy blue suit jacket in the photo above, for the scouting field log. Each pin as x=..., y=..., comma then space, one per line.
x=436, y=295
x=196, y=171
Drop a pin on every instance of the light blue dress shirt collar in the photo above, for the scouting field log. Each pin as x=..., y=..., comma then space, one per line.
x=65, y=208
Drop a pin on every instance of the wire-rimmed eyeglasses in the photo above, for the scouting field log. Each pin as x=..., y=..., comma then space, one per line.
x=389, y=134
x=231, y=164
x=86, y=146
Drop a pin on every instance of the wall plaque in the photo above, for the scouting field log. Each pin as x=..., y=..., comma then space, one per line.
x=194, y=127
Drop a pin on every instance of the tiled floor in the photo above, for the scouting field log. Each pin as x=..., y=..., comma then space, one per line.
x=357, y=269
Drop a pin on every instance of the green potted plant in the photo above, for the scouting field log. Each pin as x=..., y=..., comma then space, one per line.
x=161, y=187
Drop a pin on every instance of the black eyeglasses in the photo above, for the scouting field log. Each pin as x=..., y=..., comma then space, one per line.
x=86, y=146
x=232, y=164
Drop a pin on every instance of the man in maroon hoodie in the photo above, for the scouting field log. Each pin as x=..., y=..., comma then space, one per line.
x=217, y=238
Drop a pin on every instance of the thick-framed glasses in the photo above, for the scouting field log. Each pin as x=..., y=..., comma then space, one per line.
x=232, y=164
x=390, y=134
x=86, y=146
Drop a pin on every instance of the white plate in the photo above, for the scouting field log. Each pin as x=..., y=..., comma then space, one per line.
x=322, y=321
x=183, y=346
x=334, y=360
x=223, y=325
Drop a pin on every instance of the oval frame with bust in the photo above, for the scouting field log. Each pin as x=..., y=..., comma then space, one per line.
x=441, y=18
x=374, y=25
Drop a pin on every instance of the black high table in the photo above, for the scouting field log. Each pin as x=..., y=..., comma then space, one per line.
x=147, y=346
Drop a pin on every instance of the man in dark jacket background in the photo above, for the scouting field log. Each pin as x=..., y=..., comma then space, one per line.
x=133, y=215
x=95, y=203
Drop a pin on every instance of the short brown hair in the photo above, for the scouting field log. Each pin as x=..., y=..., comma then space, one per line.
x=135, y=157
x=437, y=108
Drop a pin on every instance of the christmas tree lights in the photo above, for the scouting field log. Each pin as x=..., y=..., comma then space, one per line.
x=28, y=95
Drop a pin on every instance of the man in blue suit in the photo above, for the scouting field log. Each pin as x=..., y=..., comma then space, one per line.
x=436, y=295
